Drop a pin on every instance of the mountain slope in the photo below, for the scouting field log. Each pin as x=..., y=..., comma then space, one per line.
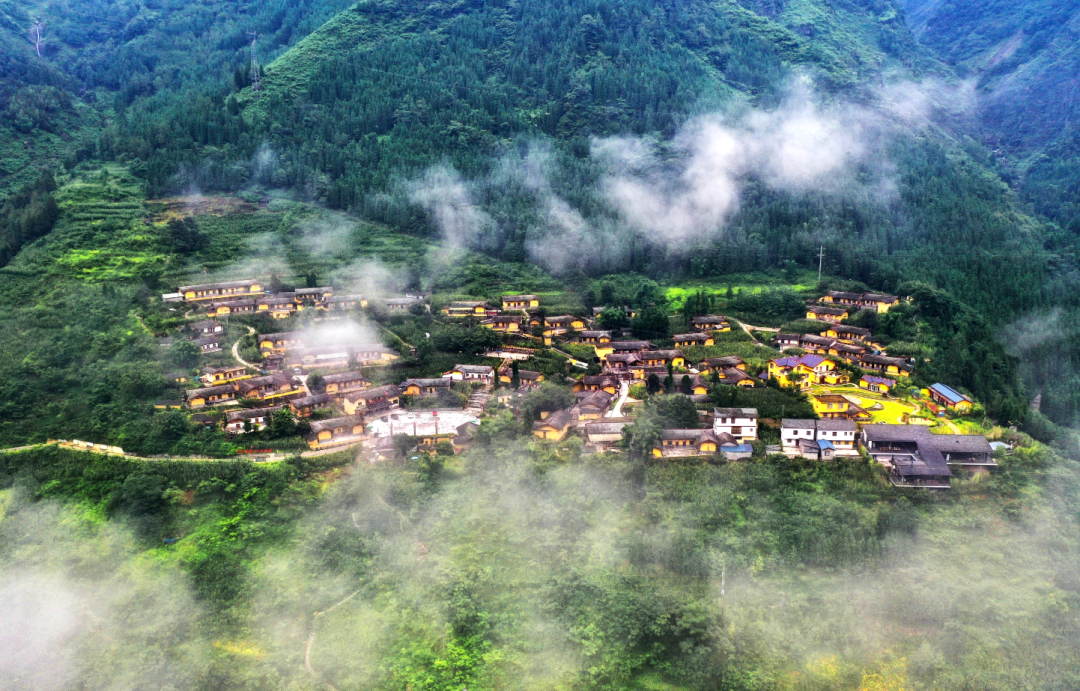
x=1025, y=58
x=388, y=88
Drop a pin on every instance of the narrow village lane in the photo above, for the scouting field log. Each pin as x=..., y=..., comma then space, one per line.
x=236, y=351
x=624, y=393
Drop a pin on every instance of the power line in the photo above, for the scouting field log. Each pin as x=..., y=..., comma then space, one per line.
x=256, y=78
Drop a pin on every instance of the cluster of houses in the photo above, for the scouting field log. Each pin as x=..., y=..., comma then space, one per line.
x=340, y=411
x=295, y=350
x=859, y=301
x=912, y=455
x=850, y=344
x=251, y=296
x=731, y=431
x=349, y=394
x=520, y=315
x=207, y=335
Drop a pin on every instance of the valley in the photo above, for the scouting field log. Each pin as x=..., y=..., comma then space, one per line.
x=428, y=346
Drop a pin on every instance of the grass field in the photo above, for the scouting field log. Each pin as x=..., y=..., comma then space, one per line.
x=754, y=283
x=892, y=409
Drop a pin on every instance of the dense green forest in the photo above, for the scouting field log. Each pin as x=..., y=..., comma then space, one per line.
x=1022, y=58
x=676, y=158
x=501, y=112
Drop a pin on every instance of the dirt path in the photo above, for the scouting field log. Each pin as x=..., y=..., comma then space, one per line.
x=309, y=643
x=624, y=393
x=573, y=360
x=273, y=457
x=236, y=351
x=749, y=333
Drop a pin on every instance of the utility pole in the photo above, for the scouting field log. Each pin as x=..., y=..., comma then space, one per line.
x=256, y=84
x=37, y=35
x=821, y=255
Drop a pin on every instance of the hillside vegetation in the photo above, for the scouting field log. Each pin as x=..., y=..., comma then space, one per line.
x=525, y=566
x=1023, y=57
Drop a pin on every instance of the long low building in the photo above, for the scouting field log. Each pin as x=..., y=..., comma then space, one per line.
x=917, y=458
x=336, y=431
x=205, y=292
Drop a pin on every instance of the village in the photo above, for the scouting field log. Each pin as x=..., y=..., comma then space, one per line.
x=344, y=392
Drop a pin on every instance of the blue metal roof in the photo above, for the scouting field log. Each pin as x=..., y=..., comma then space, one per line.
x=949, y=393
x=825, y=444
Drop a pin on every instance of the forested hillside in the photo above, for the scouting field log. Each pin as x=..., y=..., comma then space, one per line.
x=359, y=110
x=1023, y=57
x=403, y=168
x=561, y=133
x=95, y=58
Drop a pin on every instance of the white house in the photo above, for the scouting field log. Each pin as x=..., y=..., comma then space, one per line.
x=256, y=418
x=817, y=438
x=483, y=373
x=841, y=433
x=740, y=423
x=794, y=431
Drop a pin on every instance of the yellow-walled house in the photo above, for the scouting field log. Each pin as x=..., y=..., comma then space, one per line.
x=950, y=398
x=693, y=339
x=892, y=366
x=514, y=302
x=280, y=342
x=345, y=382
x=833, y=377
x=222, y=375
x=205, y=292
x=594, y=338
x=711, y=364
x=736, y=377
x=335, y=431
x=848, y=334
x=503, y=323
x=425, y=387
x=656, y=358
x=689, y=442
x=601, y=382
x=224, y=309
x=876, y=384
x=592, y=405
x=345, y=302
x=210, y=396
x=375, y=400
x=830, y=405
x=555, y=426
x=565, y=321
x=278, y=308
x=710, y=323
x=466, y=308
x=875, y=301
x=812, y=369
x=828, y=314
x=506, y=376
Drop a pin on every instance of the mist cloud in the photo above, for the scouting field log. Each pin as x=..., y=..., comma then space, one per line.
x=446, y=196
x=798, y=147
x=81, y=611
x=686, y=190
